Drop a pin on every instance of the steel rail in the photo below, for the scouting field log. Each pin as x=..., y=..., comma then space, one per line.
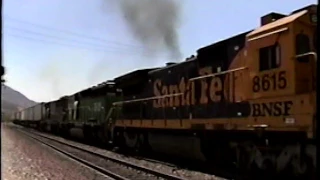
x=115, y=160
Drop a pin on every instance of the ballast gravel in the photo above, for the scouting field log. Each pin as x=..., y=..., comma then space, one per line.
x=25, y=159
x=184, y=173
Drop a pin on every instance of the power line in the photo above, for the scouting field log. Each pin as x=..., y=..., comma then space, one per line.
x=69, y=32
x=71, y=45
x=57, y=37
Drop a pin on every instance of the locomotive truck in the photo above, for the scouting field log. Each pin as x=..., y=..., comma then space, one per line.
x=249, y=100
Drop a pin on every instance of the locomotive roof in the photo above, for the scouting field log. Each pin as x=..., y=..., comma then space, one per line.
x=134, y=78
x=133, y=74
x=222, y=42
x=104, y=86
x=312, y=6
x=280, y=22
x=173, y=65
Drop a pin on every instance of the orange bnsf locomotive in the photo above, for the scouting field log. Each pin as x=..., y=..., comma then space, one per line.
x=249, y=100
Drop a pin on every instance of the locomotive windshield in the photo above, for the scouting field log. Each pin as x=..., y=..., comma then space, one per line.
x=302, y=46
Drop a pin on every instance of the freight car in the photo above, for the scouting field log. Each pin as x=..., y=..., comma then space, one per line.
x=248, y=100
x=30, y=116
x=15, y=117
x=37, y=114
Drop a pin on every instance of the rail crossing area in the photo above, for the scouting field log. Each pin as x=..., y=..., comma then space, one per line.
x=30, y=155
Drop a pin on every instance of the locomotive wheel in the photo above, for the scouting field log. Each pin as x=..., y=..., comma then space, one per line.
x=144, y=146
x=299, y=161
x=64, y=130
x=94, y=134
x=244, y=164
x=132, y=140
x=103, y=135
x=217, y=153
x=87, y=134
x=119, y=140
x=301, y=167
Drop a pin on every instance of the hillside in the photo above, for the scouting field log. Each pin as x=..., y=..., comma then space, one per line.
x=11, y=99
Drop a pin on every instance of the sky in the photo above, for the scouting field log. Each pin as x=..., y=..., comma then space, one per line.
x=53, y=48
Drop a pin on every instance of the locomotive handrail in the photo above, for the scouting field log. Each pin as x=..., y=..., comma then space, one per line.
x=146, y=99
x=311, y=53
x=218, y=73
x=109, y=115
x=314, y=54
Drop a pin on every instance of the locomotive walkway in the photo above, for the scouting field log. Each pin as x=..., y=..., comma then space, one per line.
x=25, y=159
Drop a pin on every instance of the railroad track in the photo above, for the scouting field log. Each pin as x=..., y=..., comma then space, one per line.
x=109, y=166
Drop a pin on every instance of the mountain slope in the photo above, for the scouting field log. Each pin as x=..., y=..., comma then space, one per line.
x=11, y=99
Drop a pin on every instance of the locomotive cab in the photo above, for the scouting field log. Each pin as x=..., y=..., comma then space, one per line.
x=285, y=47
x=280, y=75
x=281, y=61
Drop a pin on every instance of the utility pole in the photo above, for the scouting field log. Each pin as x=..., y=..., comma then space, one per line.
x=2, y=68
x=2, y=73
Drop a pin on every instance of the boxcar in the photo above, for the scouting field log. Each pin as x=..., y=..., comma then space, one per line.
x=36, y=114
